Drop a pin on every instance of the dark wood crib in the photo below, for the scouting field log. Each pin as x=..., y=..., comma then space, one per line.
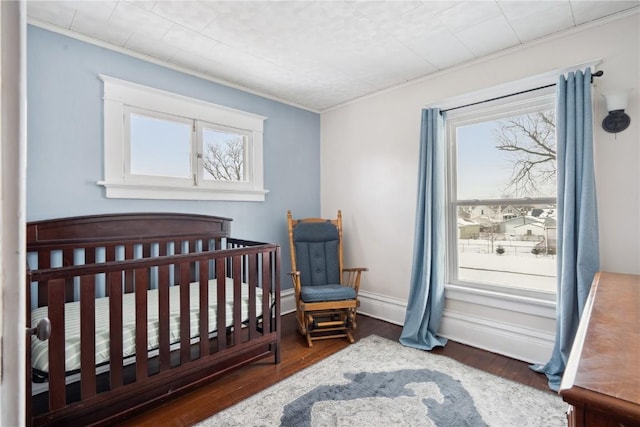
x=155, y=304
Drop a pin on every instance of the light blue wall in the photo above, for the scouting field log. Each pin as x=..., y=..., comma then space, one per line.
x=65, y=141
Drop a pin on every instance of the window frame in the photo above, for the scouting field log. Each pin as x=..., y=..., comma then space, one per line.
x=122, y=97
x=500, y=108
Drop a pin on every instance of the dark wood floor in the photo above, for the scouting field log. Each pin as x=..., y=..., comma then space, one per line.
x=234, y=387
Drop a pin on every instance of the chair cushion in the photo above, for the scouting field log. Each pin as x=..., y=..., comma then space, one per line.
x=317, y=253
x=321, y=293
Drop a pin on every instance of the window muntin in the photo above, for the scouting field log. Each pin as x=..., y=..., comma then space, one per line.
x=502, y=232
x=135, y=170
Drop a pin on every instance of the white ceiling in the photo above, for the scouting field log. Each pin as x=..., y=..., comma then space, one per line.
x=316, y=54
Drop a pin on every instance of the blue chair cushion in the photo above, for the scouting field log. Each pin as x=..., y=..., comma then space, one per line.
x=317, y=253
x=319, y=293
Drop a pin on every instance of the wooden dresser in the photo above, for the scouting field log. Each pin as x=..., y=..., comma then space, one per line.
x=602, y=377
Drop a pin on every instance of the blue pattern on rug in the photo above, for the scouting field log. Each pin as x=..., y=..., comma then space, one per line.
x=457, y=408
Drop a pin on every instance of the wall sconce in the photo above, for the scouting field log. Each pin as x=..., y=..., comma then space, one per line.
x=617, y=120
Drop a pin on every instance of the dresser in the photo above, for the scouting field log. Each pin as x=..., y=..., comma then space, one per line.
x=602, y=376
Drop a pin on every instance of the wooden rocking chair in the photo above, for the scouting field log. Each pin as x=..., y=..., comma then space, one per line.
x=326, y=293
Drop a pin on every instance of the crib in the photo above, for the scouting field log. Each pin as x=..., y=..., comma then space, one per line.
x=139, y=308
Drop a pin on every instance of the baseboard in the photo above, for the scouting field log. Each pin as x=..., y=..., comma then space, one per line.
x=521, y=343
x=382, y=307
x=515, y=341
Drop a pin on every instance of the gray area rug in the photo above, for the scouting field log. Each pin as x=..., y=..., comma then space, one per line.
x=378, y=382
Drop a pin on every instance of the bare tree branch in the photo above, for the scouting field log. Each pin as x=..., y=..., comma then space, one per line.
x=225, y=163
x=531, y=140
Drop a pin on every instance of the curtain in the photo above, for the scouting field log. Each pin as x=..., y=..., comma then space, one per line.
x=426, y=297
x=577, y=254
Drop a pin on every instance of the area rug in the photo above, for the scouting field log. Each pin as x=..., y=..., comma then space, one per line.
x=378, y=382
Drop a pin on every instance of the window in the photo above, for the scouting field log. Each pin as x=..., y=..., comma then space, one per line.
x=160, y=145
x=502, y=196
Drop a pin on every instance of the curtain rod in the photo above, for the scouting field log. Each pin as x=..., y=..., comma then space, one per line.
x=596, y=74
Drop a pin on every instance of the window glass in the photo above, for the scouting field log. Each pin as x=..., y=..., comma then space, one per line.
x=160, y=147
x=503, y=198
x=505, y=249
x=223, y=155
x=510, y=157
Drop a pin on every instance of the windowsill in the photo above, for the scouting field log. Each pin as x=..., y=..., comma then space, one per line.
x=137, y=191
x=522, y=301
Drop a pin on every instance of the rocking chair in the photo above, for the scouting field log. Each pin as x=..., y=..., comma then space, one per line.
x=326, y=293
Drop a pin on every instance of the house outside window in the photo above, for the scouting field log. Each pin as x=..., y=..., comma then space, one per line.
x=160, y=145
x=502, y=184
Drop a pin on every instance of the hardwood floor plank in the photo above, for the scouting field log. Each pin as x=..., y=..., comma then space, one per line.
x=245, y=382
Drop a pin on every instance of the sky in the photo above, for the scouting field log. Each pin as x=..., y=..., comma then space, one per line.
x=161, y=147
x=483, y=171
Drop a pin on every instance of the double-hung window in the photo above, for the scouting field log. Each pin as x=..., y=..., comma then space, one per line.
x=502, y=196
x=165, y=146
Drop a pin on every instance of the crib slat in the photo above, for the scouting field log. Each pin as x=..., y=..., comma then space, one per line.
x=87, y=337
x=128, y=274
x=274, y=272
x=146, y=250
x=204, y=307
x=110, y=252
x=163, y=315
x=90, y=256
x=109, y=256
x=115, y=328
x=68, y=260
x=266, y=290
x=237, y=300
x=253, y=284
x=141, y=276
x=220, y=304
x=44, y=261
x=56, y=297
x=185, y=313
x=162, y=248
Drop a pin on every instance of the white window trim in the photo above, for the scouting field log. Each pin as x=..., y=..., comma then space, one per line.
x=120, y=94
x=520, y=300
x=520, y=104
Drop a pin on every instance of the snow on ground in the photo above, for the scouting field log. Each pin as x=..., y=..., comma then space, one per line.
x=517, y=267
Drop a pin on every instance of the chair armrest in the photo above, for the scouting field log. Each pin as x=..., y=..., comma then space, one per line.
x=351, y=277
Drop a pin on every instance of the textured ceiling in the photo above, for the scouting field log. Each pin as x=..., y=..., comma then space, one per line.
x=316, y=54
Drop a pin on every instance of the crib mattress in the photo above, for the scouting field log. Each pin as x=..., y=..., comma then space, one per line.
x=39, y=349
